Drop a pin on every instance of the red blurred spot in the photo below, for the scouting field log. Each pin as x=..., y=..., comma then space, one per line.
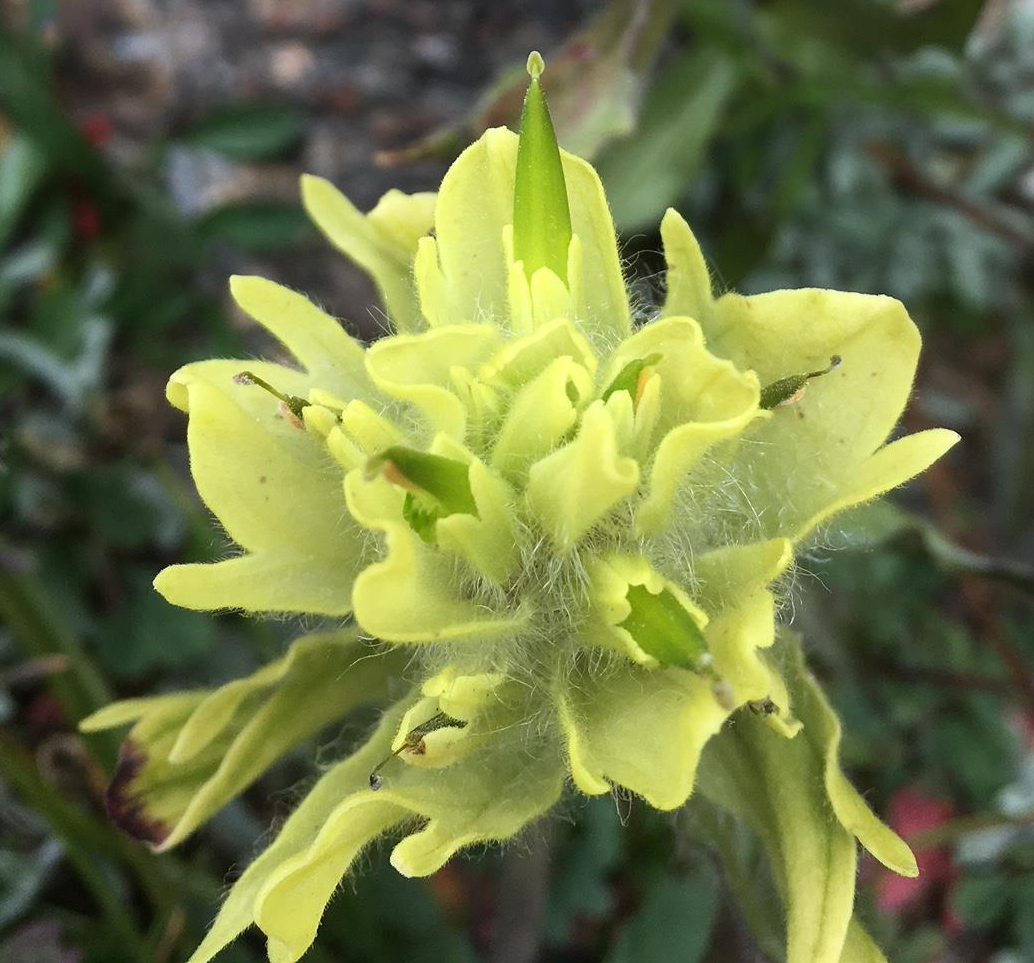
x=1023, y=723
x=913, y=810
x=96, y=128
x=44, y=713
x=86, y=220
x=951, y=922
x=450, y=889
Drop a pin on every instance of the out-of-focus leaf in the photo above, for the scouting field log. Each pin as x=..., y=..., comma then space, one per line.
x=27, y=263
x=257, y=225
x=812, y=852
x=649, y=170
x=871, y=27
x=868, y=526
x=40, y=942
x=22, y=876
x=745, y=870
x=390, y=917
x=580, y=869
x=249, y=131
x=1023, y=901
x=1004, y=160
x=798, y=171
x=673, y=923
x=980, y=899
x=71, y=380
x=594, y=83
x=144, y=631
x=40, y=626
x=129, y=508
x=21, y=168
x=975, y=745
x=837, y=85
x=27, y=96
x=1014, y=439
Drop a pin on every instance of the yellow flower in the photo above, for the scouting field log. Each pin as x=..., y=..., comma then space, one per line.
x=567, y=533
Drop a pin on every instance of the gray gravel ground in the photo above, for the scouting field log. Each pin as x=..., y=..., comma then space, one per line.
x=369, y=75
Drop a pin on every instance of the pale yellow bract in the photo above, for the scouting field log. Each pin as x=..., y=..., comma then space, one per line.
x=580, y=588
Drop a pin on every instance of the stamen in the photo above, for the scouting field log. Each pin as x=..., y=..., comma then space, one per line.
x=414, y=743
x=787, y=390
x=292, y=404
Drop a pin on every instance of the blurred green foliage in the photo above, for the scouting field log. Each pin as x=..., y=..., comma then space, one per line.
x=856, y=145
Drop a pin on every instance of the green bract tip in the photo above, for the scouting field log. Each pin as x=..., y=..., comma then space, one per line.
x=541, y=218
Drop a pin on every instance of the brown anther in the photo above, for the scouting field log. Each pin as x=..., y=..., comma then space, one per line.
x=287, y=413
x=640, y=386
x=394, y=474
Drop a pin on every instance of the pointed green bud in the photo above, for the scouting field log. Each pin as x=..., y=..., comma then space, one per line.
x=663, y=628
x=541, y=217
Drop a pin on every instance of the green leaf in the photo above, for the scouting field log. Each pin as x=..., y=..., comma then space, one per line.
x=580, y=868
x=1023, y=902
x=793, y=795
x=21, y=168
x=23, y=876
x=745, y=871
x=29, y=101
x=673, y=923
x=867, y=28
x=982, y=899
x=651, y=168
x=369, y=922
x=128, y=508
x=145, y=632
x=190, y=753
x=249, y=131
x=541, y=217
x=256, y=225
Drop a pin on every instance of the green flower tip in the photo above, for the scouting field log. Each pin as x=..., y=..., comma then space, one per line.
x=541, y=215
x=570, y=533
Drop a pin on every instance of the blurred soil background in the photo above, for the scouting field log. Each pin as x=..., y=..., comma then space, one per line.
x=150, y=148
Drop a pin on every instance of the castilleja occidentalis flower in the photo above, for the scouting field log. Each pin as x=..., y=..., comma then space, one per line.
x=554, y=543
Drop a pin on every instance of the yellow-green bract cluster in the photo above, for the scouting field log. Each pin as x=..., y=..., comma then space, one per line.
x=563, y=533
